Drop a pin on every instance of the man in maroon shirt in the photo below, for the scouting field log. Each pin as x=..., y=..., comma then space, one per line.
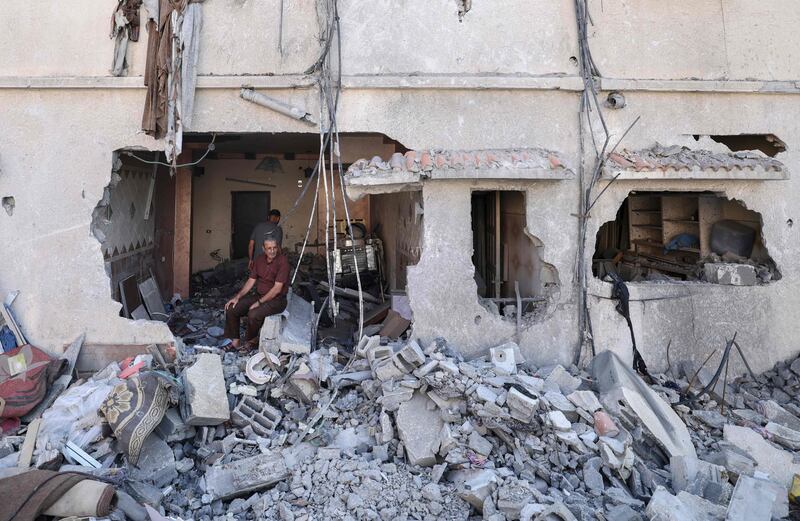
x=270, y=276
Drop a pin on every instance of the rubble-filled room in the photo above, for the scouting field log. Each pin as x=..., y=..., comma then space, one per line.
x=235, y=182
x=511, y=277
x=684, y=236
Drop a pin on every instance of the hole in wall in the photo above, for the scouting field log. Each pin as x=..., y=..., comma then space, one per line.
x=769, y=144
x=684, y=236
x=510, y=276
x=463, y=8
x=8, y=204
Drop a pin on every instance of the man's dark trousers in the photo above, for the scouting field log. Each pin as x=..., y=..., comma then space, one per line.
x=255, y=317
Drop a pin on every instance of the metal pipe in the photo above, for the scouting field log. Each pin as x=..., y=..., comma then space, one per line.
x=277, y=106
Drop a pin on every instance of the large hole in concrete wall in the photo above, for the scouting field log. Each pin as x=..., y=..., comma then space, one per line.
x=124, y=222
x=193, y=236
x=684, y=236
x=512, y=280
x=769, y=144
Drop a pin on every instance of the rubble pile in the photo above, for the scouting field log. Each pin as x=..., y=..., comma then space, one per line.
x=404, y=429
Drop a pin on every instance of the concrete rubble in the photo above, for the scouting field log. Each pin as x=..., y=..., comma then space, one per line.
x=406, y=429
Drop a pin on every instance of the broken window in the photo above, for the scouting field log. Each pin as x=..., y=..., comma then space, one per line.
x=510, y=276
x=686, y=236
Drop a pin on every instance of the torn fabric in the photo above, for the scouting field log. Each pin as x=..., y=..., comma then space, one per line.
x=124, y=28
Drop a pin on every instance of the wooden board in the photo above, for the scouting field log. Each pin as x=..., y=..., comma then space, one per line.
x=95, y=357
x=129, y=295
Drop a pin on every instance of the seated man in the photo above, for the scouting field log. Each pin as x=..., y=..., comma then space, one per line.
x=270, y=276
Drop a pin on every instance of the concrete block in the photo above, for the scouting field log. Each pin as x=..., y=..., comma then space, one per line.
x=366, y=344
x=261, y=416
x=585, y=400
x=411, y=354
x=245, y=475
x=206, y=400
x=485, y=394
x=269, y=336
x=172, y=427
x=478, y=486
x=778, y=464
x=504, y=359
x=377, y=354
x=730, y=274
x=752, y=500
x=522, y=406
x=558, y=421
x=565, y=382
x=387, y=370
x=419, y=424
x=479, y=444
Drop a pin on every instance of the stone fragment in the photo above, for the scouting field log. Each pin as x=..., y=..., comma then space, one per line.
x=206, y=401
x=393, y=395
x=704, y=509
x=156, y=463
x=712, y=419
x=530, y=510
x=245, y=475
x=561, y=378
x=735, y=461
x=559, y=401
x=479, y=444
x=172, y=427
x=696, y=476
x=663, y=506
x=387, y=429
x=593, y=480
x=522, y=406
x=302, y=384
x=585, y=400
x=752, y=500
x=419, y=424
x=558, y=421
x=503, y=358
x=623, y=392
x=477, y=487
x=774, y=412
x=485, y=394
x=777, y=463
x=387, y=370
x=784, y=436
x=260, y=416
x=623, y=513
x=295, y=336
x=557, y=511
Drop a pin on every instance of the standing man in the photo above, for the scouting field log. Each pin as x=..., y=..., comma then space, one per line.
x=270, y=276
x=271, y=227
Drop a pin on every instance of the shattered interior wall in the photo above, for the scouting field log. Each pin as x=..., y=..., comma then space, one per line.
x=503, y=77
x=398, y=220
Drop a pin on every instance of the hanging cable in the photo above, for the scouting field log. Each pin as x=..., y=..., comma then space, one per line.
x=211, y=148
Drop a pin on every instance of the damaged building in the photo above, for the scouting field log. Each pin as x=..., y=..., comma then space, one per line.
x=474, y=198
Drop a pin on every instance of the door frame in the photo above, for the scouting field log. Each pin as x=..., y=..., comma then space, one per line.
x=233, y=213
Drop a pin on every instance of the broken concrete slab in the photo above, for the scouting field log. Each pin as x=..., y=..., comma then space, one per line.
x=245, y=475
x=777, y=463
x=558, y=421
x=172, y=427
x=206, y=399
x=700, y=478
x=623, y=392
x=774, y=412
x=561, y=378
x=156, y=463
x=663, y=506
x=295, y=336
x=478, y=485
x=752, y=500
x=522, y=406
x=479, y=444
x=783, y=435
x=735, y=460
x=585, y=400
x=419, y=424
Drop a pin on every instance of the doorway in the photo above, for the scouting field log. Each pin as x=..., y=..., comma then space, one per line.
x=247, y=210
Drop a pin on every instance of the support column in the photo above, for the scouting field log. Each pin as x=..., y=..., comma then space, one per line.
x=182, y=252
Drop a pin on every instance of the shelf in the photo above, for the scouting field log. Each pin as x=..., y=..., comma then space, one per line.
x=654, y=244
x=681, y=221
x=646, y=211
x=650, y=226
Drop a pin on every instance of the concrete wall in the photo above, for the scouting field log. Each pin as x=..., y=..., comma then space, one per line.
x=502, y=77
x=211, y=204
